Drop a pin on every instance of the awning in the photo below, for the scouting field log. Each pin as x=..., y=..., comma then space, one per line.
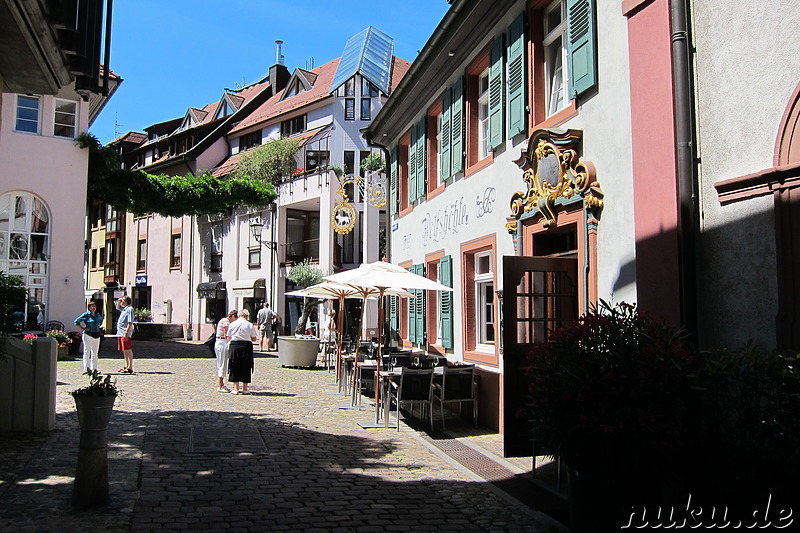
x=209, y=289
x=246, y=288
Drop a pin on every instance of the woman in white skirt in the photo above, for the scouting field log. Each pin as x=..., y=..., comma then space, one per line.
x=221, y=349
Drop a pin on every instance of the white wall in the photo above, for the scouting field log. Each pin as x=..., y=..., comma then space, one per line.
x=747, y=67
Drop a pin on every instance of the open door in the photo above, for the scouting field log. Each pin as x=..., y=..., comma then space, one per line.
x=539, y=294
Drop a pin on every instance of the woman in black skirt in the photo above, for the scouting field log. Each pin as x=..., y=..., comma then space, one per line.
x=241, y=336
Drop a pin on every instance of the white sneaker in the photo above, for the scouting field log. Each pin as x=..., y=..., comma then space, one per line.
x=223, y=389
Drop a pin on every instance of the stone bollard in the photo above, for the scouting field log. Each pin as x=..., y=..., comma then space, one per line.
x=91, y=473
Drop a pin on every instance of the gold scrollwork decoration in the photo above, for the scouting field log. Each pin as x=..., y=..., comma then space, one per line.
x=551, y=171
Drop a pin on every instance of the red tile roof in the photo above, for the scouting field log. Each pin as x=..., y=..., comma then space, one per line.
x=275, y=107
x=399, y=69
x=322, y=77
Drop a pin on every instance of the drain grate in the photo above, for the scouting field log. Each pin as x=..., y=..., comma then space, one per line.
x=228, y=441
x=473, y=460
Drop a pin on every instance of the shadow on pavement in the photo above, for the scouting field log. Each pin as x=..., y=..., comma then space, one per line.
x=304, y=479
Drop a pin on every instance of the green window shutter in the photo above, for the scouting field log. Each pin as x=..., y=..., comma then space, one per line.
x=496, y=110
x=422, y=159
x=393, y=182
x=412, y=166
x=394, y=323
x=444, y=155
x=420, y=304
x=457, y=127
x=412, y=311
x=446, y=311
x=581, y=46
x=516, y=76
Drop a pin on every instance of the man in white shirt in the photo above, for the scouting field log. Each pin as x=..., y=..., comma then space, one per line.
x=125, y=332
x=264, y=321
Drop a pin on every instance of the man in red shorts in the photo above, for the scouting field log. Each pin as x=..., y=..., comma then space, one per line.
x=125, y=332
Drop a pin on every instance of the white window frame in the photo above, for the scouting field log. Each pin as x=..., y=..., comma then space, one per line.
x=74, y=126
x=38, y=114
x=484, y=150
x=555, y=73
x=484, y=308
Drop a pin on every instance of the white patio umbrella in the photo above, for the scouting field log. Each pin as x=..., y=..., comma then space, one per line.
x=384, y=276
x=338, y=291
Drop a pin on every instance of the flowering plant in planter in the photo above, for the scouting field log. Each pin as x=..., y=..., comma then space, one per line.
x=29, y=338
x=142, y=315
x=612, y=392
x=60, y=336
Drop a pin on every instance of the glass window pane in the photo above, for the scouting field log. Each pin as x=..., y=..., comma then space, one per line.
x=21, y=206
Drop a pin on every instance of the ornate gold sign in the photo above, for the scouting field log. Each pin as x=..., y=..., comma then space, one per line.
x=343, y=218
x=552, y=171
x=373, y=191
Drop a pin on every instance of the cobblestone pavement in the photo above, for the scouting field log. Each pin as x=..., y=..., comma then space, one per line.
x=183, y=456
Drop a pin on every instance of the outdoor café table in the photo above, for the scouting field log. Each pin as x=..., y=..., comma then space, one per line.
x=387, y=377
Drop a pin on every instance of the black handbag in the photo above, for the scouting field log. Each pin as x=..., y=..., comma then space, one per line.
x=210, y=342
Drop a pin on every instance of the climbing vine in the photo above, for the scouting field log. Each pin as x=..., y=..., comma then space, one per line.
x=140, y=193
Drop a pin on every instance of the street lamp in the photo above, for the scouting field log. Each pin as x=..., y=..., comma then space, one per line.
x=257, y=228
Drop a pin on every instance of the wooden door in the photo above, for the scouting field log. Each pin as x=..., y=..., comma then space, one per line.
x=539, y=294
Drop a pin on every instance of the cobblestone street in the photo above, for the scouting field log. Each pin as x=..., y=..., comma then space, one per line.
x=285, y=458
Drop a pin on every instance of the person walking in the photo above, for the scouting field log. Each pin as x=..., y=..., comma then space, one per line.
x=241, y=336
x=221, y=349
x=90, y=322
x=264, y=320
x=125, y=332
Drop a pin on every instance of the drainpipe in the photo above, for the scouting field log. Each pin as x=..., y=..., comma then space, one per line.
x=689, y=220
x=192, y=224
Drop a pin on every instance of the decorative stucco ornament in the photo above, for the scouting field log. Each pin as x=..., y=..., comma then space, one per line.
x=552, y=171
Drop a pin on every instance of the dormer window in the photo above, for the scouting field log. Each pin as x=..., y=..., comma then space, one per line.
x=367, y=89
x=224, y=109
x=350, y=87
x=188, y=122
x=293, y=125
x=249, y=140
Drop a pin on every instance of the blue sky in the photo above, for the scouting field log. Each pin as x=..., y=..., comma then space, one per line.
x=175, y=54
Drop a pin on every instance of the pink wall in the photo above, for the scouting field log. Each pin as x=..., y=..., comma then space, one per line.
x=654, y=172
x=53, y=169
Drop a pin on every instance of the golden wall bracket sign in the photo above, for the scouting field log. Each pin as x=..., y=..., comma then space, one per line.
x=373, y=191
x=551, y=171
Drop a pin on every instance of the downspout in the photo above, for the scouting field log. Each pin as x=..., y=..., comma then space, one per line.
x=189, y=335
x=688, y=224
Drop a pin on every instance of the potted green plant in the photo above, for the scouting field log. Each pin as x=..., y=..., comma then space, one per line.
x=94, y=403
x=610, y=394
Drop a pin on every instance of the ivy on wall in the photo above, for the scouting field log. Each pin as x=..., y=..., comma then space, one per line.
x=140, y=193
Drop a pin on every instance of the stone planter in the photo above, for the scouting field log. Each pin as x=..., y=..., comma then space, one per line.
x=63, y=353
x=298, y=351
x=91, y=473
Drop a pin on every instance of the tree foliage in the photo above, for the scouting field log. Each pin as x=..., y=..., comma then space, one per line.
x=305, y=274
x=270, y=162
x=373, y=162
x=141, y=193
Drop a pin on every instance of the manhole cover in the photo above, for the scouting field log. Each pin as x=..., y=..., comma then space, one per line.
x=226, y=441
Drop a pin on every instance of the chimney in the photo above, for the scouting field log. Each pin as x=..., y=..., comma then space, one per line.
x=278, y=73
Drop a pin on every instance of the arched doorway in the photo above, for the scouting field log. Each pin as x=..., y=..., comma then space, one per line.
x=25, y=252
